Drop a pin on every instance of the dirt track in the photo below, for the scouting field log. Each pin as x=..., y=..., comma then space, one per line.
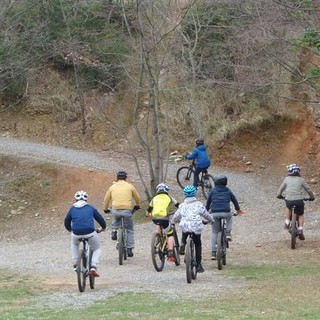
x=258, y=237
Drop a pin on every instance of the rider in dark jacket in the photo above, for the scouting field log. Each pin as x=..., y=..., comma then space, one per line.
x=200, y=154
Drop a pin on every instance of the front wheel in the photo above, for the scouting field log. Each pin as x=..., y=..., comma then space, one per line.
x=157, y=253
x=207, y=183
x=185, y=176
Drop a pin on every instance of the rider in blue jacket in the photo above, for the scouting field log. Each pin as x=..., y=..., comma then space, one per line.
x=80, y=222
x=200, y=154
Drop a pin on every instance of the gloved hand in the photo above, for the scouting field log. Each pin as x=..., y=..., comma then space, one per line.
x=280, y=197
x=311, y=199
x=106, y=210
x=186, y=155
x=135, y=208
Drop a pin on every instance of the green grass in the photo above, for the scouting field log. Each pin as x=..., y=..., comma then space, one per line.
x=272, y=292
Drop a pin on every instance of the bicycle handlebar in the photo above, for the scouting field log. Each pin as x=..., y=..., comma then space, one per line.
x=304, y=199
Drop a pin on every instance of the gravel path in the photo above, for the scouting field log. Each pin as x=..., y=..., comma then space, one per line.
x=49, y=256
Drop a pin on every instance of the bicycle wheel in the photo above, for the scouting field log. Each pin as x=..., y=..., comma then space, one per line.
x=120, y=245
x=207, y=183
x=224, y=249
x=188, y=259
x=293, y=230
x=185, y=176
x=193, y=262
x=219, y=250
x=124, y=245
x=176, y=248
x=91, y=278
x=157, y=255
x=82, y=271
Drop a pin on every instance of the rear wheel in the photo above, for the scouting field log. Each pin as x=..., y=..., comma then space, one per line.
x=157, y=255
x=224, y=249
x=188, y=259
x=81, y=272
x=293, y=230
x=194, y=262
x=176, y=248
x=120, y=246
x=185, y=176
x=207, y=183
x=91, y=278
x=219, y=250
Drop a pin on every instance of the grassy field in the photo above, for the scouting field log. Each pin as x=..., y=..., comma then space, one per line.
x=272, y=292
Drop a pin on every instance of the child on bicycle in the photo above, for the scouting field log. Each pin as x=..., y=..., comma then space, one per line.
x=201, y=157
x=294, y=186
x=80, y=222
x=158, y=210
x=219, y=205
x=189, y=215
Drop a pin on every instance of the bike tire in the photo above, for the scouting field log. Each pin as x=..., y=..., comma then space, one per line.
x=124, y=245
x=176, y=248
x=194, y=262
x=120, y=245
x=219, y=250
x=185, y=176
x=293, y=230
x=91, y=278
x=224, y=249
x=207, y=183
x=157, y=255
x=188, y=260
x=81, y=272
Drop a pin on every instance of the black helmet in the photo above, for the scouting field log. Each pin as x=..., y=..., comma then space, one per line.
x=122, y=175
x=221, y=180
x=199, y=141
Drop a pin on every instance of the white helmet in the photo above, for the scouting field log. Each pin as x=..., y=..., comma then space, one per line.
x=81, y=195
x=162, y=187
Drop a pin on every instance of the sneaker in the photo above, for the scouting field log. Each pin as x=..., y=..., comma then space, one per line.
x=214, y=255
x=301, y=235
x=130, y=253
x=171, y=257
x=93, y=272
x=113, y=235
x=286, y=226
x=200, y=268
x=75, y=267
x=181, y=250
x=229, y=237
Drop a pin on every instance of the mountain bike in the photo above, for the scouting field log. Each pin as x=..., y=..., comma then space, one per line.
x=190, y=259
x=222, y=243
x=293, y=226
x=185, y=176
x=159, y=250
x=84, y=264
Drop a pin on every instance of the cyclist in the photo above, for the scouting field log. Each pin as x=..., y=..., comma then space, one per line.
x=294, y=186
x=121, y=194
x=218, y=203
x=200, y=154
x=189, y=215
x=80, y=222
x=158, y=210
